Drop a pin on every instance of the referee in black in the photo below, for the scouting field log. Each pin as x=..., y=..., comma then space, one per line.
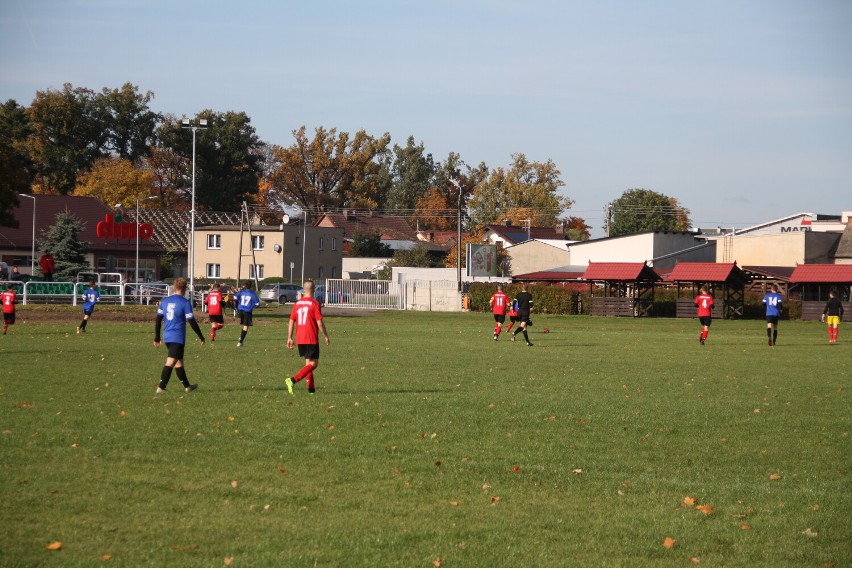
x=525, y=302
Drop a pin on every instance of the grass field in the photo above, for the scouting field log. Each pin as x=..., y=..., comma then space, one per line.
x=428, y=444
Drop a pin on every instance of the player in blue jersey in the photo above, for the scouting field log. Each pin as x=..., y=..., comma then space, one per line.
x=90, y=298
x=772, y=301
x=176, y=311
x=246, y=301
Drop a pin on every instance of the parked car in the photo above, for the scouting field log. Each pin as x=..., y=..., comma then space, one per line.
x=334, y=296
x=280, y=292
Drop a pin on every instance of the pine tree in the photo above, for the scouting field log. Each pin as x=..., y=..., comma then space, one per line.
x=69, y=252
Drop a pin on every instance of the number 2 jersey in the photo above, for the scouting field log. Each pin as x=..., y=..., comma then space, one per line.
x=306, y=313
x=176, y=311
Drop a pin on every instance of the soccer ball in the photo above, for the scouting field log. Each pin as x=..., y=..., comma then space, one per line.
x=545, y=330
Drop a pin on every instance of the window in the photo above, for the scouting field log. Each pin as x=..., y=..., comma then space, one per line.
x=214, y=270
x=321, y=243
x=298, y=239
x=321, y=273
x=214, y=241
x=257, y=242
x=334, y=272
x=258, y=268
x=333, y=244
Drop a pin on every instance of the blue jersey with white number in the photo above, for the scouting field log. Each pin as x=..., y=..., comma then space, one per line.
x=772, y=300
x=176, y=311
x=90, y=298
x=246, y=300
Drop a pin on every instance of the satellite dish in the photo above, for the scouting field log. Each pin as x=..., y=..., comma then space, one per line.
x=285, y=219
x=277, y=248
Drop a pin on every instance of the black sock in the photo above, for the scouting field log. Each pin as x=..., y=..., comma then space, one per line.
x=774, y=335
x=165, y=375
x=243, y=335
x=769, y=332
x=83, y=324
x=526, y=336
x=182, y=376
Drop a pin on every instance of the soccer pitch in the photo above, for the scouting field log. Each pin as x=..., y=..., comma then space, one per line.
x=429, y=444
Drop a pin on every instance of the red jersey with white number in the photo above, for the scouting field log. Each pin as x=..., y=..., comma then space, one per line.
x=704, y=302
x=499, y=303
x=214, y=303
x=8, y=300
x=306, y=313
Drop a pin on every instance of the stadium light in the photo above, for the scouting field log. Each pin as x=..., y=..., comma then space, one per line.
x=202, y=124
x=32, y=258
x=458, y=237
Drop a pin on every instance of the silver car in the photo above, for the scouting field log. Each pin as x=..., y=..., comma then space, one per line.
x=280, y=292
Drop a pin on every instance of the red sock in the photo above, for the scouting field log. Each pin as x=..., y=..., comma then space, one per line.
x=212, y=333
x=497, y=329
x=834, y=332
x=303, y=372
x=309, y=379
x=508, y=329
x=830, y=333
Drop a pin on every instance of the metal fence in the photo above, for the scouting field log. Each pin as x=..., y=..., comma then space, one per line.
x=111, y=292
x=363, y=294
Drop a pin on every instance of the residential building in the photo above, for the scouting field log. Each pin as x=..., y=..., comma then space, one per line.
x=264, y=251
x=509, y=234
x=777, y=249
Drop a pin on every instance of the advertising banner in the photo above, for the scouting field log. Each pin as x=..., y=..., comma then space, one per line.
x=482, y=260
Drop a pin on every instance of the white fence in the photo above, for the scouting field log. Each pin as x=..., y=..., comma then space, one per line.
x=419, y=295
x=364, y=294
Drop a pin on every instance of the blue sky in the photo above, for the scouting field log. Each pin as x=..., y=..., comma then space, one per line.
x=740, y=109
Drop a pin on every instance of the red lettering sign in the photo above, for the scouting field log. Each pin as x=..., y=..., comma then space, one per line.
x=109, y=228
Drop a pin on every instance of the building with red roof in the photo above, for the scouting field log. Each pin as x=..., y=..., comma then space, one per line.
x=811, y=284
x=621, y=288
x=725, y=281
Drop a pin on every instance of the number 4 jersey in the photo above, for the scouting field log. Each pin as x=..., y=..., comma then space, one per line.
x=306, y=313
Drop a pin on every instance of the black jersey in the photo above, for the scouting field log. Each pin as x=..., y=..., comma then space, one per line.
x=834, y=307
x=525, y=301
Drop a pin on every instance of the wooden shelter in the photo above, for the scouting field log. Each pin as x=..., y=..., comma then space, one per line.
x=762, y=277
x=812, y=282
x=621, y=288
x=725, y=281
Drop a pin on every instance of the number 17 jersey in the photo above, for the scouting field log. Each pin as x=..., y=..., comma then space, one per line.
x=306, y=313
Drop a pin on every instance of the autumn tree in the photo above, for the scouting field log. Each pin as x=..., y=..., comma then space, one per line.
x=642, y=210
x=127, y=121
x=168, y=176
x=74, y=126
x=67, y=135
x=525, y=190
x=452, y=187
x=116, y=180
x=16, y=170
x=228, y=165
x=62, y=239
x=412, y=173
x=576, y=229
x=332, y=170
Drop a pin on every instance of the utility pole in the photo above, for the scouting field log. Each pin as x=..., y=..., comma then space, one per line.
x=608, y=217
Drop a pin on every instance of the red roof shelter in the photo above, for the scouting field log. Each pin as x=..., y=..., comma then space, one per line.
x=812, y=282
x=621, y=288
x=723, y=279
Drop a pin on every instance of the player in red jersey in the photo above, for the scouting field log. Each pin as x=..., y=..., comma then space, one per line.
x=513, y=315
x=306, y=318
x=499, y=302
x=704, y=303
x=214, y=310
x=8, y=299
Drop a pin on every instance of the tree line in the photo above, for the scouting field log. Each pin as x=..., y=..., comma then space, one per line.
x=109, y=144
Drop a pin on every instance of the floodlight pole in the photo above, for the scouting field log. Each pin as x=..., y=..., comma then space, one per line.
x=458, y=236
x=32, y=258
x=186, y=123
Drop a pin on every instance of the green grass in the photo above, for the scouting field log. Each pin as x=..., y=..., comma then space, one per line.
x=428, y=440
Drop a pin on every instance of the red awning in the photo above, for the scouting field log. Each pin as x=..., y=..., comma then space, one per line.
x=833, y=273
x=707, y=272
x=620, y=271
